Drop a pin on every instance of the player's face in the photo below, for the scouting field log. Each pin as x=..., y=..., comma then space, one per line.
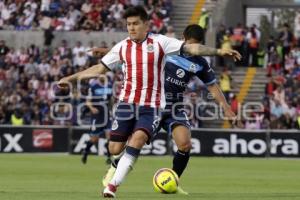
x=137, y=28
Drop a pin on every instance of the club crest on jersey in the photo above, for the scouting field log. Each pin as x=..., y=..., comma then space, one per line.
x=180, y=73
x=115, y=125
x=150, y=48
x=193, y=68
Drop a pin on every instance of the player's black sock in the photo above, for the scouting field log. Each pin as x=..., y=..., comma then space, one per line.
x=107, y=149
x=180, y=161
x=86, y=151
x=89, y=144
x=108, y=159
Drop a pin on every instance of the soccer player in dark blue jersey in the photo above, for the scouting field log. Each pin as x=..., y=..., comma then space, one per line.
x=179, y=69
x=100, y=91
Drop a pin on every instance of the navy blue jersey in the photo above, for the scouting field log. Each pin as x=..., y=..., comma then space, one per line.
x=179, y=70
x=99, y=92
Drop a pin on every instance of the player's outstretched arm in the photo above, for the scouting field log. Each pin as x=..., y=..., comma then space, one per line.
x=215, y=90
x=99, y=51
x=91, y=72
x=202, y=50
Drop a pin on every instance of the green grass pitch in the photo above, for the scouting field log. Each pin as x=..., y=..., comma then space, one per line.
x=63, y=177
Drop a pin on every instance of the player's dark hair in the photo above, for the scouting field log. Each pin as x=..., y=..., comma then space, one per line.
x=194, y=31
x=136, y=11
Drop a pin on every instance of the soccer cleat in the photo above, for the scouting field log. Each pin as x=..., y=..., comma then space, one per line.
x=108, y=176
x=84, y=156
x=109, y=191
x=181, y=191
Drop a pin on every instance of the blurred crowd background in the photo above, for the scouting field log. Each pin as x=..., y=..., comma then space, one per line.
x=28, y=74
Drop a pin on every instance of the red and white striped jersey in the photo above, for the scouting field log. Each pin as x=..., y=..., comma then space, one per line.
x=143, y=68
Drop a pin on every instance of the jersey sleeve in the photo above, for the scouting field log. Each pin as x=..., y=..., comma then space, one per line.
x=207, y=74
x=112, y=58
x=170, y=46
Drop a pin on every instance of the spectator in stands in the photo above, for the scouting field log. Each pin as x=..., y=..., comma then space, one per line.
x=220, y=35
x=17, y=118
x=253, y=42
x=22, y=16
x=237, y=37
x=117, y=9
x=234, y=103
x=226, y=44
x=68, y=22
x=253, y=124
x=270, y=87
x=286, y=37
x=43, y=67
x=78, y=48
x=74, y=13
x=203, y=20
x=274, y=61
x=86, y=7
x=276, y=109
x=45, y=5
x=225, y=83
x=170, y=32
x=279, y=95
x=31, y=67
x=80, y=60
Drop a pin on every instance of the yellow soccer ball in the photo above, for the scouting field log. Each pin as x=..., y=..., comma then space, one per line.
x=166, y=181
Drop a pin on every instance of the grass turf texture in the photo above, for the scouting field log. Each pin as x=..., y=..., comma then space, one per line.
x=63, y=177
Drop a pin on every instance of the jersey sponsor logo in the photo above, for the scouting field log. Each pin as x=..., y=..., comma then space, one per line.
x=150, y=48
x=176, y=81
x=115, y=125
x=180, y=73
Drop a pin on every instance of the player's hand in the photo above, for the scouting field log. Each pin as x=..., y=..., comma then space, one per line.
x=231, y=116
x=64, y=84
x=98, y=51
x=231, y=53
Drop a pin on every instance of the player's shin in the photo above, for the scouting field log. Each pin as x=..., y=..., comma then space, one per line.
x=180, y=161
x=125, y=165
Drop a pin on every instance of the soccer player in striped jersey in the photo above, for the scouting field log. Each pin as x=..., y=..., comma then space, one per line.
x=143, y=57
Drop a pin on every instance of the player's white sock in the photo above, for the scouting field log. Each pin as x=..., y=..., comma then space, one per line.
x=125, y=165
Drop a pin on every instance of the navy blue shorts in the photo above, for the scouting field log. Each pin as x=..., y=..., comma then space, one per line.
x=130, y=118
x=169, y=121
x=100, y=122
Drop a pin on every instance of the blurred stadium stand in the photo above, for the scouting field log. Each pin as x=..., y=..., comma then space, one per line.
x=32, y=31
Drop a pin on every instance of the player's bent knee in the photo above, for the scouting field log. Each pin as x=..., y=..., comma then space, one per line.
x=185, y=147
x=138, y=139
x=94, y=139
